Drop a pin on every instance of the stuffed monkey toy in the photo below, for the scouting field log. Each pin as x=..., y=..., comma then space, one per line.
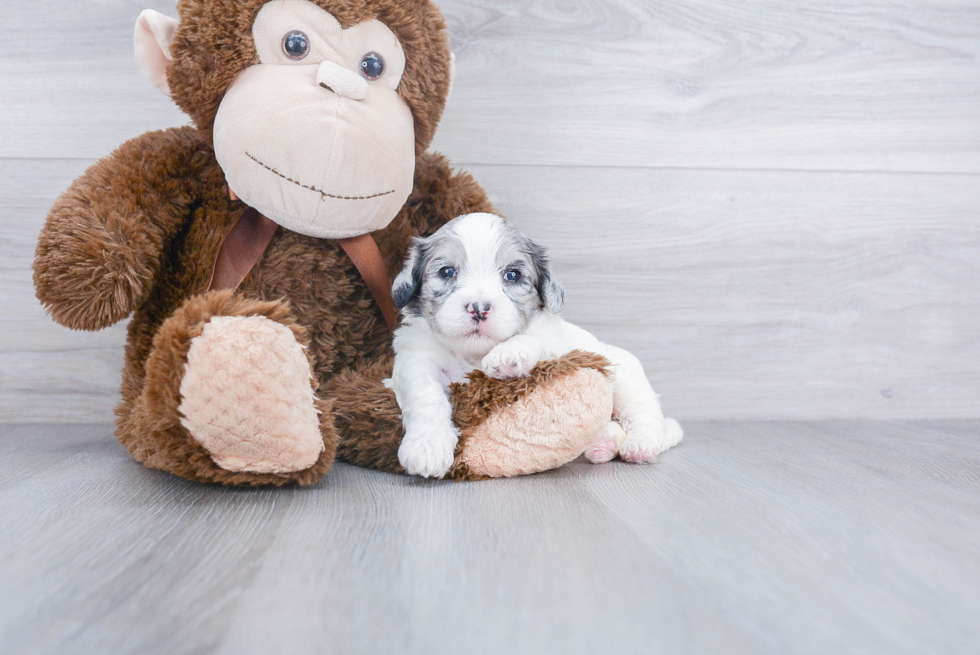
x=253, y=250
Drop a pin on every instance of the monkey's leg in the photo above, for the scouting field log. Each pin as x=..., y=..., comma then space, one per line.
x=509, y=427
x=369, y=424
x=531, y=424
x=228, y=396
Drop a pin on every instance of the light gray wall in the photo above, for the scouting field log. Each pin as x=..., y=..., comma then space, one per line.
x=775, y=204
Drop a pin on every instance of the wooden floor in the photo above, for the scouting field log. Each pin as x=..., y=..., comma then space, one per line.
x=775, y=205
x=771, y=537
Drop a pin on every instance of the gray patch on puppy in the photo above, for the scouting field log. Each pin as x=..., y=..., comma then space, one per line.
x=531, y=261
x=493, y=264
x=418, y=288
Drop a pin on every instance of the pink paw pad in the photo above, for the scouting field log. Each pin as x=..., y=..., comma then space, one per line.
x=602, y=451
x=508, y=371
x=639, y=457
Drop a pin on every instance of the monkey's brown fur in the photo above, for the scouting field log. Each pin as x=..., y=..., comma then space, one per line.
x=207, y=61
x=474, y=403
x=139, y=231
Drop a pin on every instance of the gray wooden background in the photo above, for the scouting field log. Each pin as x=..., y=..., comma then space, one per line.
x=775, y=204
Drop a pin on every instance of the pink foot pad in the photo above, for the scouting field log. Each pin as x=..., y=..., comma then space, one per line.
x=247, y=397
x=607, y=445
x=638, y=455
x=601, y=451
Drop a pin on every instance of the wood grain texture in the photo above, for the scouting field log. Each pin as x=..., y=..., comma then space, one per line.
x=703, y=175
x=770, y=294
x=852, y=85
x=628, y=137
x=746, y=294
x=786, y=537
x=71, y=87
x=857, y=84
x=47, y=372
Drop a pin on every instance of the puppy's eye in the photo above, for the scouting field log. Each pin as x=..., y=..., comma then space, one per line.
x=447, y=273
x=372, y=66
x=512, y=275
x=296, y=45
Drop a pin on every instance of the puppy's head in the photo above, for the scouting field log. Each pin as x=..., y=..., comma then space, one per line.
x=477, y=282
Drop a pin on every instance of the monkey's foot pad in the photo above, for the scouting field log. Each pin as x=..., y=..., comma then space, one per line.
x=247, y=396
x=535, y=423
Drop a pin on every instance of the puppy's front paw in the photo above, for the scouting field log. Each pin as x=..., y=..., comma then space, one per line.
x=510, y=359
x=428, y=454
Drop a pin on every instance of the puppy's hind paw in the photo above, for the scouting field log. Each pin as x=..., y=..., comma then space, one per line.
x=607, y=445
x=641, y=446
x=673, y=433
x=638, y=453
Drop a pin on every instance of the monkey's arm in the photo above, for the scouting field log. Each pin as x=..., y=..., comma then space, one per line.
x=105, y=237
x=440, y=196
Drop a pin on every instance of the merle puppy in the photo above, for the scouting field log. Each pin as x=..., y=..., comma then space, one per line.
x=478, y=294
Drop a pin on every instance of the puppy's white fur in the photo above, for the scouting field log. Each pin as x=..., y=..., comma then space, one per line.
x=513, y=325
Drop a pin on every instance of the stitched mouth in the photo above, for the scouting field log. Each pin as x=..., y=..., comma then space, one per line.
x=323, y=194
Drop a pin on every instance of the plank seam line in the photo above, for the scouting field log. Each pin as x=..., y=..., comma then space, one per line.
x=457, y=164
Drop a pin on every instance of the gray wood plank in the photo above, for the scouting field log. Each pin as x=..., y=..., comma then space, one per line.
x=857, y=85
x=862, y=520
x=786, y=537
x=81, y=94
x=522, y=573
x=116, y=545
x=47, y=372
x=746, y=294
x=770, y=294
x=852, y=85
x=27, y=450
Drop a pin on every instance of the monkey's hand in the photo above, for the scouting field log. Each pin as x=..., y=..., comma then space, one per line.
x=105, y=237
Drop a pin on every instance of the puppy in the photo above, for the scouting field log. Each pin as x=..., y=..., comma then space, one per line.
x=478, y=294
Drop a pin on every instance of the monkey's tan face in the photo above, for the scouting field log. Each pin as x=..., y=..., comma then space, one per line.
x=315, y=136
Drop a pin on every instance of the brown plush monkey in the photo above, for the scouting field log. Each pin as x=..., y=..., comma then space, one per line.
x=257, y=350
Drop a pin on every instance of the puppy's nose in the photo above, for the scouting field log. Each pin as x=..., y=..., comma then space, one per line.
x=478, y=310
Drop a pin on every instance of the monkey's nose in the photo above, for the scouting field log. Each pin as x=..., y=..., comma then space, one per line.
x=478, y=311
x=345, y=83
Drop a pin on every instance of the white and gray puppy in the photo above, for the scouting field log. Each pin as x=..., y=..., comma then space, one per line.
x=478, y=294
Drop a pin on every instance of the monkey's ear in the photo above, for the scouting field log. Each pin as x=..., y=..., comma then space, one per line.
x=408, y=282
x=154, y=33
x=452, y=75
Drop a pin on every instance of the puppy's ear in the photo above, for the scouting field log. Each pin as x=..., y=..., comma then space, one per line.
x=553, y=295
x=408, y=282
x=551, y=292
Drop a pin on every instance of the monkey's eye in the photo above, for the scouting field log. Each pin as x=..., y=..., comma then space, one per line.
x=296, y=45
x=372, y=66
x=513, y=275
x=447, y=272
